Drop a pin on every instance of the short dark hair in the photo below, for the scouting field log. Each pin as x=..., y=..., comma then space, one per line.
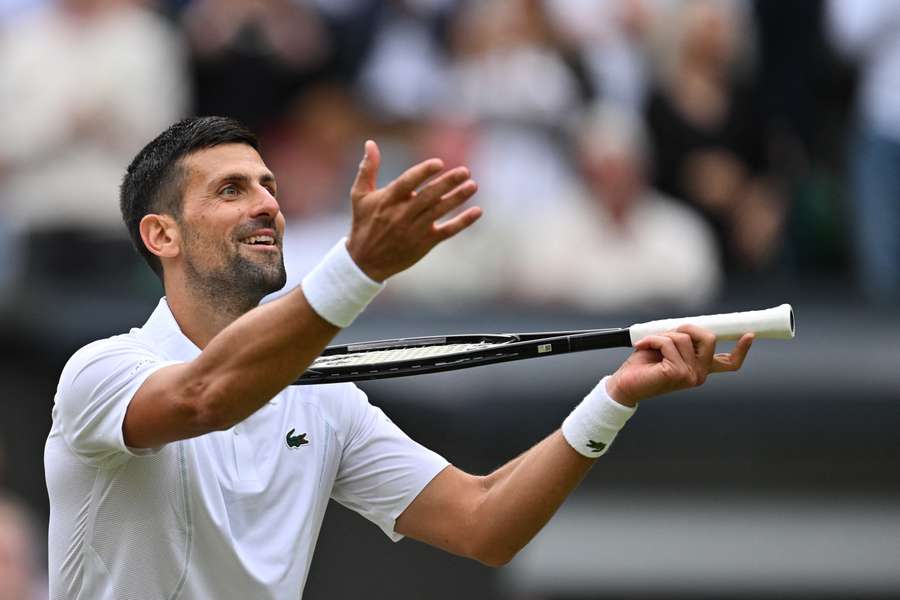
x=153, y=181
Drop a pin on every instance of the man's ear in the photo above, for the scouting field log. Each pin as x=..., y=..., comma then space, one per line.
x=161, y=235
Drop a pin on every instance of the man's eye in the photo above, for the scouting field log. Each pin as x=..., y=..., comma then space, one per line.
x=229, y=191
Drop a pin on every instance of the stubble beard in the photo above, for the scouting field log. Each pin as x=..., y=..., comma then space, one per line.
x=240, y=284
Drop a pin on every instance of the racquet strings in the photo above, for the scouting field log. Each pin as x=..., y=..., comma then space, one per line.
x=375, y=357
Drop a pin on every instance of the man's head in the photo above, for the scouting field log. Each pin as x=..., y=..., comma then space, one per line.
x=199, y=200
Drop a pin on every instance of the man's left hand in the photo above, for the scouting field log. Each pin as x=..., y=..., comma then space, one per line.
x=673, y=361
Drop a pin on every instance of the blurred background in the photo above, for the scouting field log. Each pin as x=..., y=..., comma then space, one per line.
x=637, y=159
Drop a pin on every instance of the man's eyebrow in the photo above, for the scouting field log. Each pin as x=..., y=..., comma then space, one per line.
x=266, y=177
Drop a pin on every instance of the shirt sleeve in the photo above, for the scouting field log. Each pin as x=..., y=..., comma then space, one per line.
x=95, y=388
x=382, y=470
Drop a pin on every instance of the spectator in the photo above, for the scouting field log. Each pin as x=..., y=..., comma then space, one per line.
x=511, y=78
x=511, y=88
x=250, y=59
x=613, y=244
x=707, y=132
x=626, y=246
x=869, y=32
x=405, y=73
x=315, y=150
x=83, y=83
x=612, y=37
x=804, y=92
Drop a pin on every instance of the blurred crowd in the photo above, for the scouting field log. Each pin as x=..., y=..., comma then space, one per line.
x=630, y=153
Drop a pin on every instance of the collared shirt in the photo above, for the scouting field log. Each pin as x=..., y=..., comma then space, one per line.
x=229, y=514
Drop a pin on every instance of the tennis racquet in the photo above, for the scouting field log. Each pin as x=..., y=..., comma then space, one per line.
x=419, y=355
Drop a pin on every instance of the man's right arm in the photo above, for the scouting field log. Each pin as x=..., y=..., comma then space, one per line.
x=242, y=368
x=265, y=350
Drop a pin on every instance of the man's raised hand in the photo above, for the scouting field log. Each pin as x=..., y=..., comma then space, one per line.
x=395, y=226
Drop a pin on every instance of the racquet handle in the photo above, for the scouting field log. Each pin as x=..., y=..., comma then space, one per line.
x=773, y=323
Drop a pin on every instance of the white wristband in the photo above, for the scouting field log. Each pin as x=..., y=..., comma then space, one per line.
x=337, y=289
x=592, y=426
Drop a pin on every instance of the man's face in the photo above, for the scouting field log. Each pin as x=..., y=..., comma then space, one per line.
x=231, y=225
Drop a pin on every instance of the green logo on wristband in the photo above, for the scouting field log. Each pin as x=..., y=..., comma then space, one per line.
x=596, y=446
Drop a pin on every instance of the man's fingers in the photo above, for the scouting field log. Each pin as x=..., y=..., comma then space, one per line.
x=367, y=175
x=732, y=361
x=429, y=196
x=665, y=346
x=401, y=188
x=451, y=200
x=685, y=346
x=704, y=343
x=453, y=226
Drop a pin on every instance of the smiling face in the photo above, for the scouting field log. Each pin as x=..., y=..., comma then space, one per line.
x=231, y=225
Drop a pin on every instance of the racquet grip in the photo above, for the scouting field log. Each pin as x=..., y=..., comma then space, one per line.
x=773, y=323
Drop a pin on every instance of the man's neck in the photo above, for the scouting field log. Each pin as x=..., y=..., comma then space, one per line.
x=201, y=318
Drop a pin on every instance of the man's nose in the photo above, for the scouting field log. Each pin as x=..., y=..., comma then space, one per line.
x=265, y=203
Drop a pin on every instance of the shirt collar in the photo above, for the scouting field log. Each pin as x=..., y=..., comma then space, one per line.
x=163, y=331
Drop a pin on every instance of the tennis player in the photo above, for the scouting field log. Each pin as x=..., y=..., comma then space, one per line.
x=182, y=464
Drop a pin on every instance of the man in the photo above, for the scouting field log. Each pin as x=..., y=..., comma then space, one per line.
x=181, y=464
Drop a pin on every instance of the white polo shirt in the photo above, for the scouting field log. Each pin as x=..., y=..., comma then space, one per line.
x=230, y=514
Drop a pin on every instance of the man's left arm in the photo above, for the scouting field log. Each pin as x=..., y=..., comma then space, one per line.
x=491, y=518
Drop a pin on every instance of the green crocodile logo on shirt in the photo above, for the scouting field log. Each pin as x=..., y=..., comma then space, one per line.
x=295, y=441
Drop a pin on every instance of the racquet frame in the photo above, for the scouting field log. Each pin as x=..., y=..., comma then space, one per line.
x=414, y=358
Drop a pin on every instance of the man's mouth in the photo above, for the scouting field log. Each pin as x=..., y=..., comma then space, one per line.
x=263, y=239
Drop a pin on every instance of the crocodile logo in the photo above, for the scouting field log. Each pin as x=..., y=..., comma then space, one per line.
x=596, y=446
x=295, y=441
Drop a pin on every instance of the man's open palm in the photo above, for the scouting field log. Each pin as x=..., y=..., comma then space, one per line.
x=395, y=226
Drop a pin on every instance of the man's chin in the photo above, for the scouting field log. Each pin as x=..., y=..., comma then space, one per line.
x=266, y=280
x=276, y=285
x=260, y=277
x=271, y=281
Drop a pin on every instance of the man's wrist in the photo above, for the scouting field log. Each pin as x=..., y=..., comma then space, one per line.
x=616, y=393
x=337, y=288
x=371, y=272
x=593, y=425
